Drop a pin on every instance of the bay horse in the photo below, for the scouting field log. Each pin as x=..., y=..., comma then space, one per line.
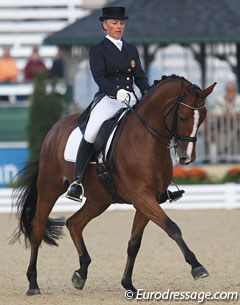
x=172, y=110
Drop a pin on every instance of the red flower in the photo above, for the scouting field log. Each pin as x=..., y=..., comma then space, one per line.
x=197, y=172
x=234, y=172
x=179, y=172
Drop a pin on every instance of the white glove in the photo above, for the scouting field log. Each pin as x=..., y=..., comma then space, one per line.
x=122, y=95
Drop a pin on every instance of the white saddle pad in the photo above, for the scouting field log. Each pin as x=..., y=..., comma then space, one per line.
x=71, y=149
x=73, y=142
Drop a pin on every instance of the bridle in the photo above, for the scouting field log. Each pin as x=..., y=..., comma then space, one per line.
x=173, y=131
x=171, y=134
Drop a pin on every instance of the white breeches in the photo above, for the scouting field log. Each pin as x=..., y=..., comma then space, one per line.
x=104, y=110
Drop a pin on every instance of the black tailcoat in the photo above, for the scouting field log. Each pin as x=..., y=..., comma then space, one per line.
x=113, y=69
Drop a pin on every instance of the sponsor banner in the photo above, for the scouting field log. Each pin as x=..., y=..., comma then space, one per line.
x=12, y=160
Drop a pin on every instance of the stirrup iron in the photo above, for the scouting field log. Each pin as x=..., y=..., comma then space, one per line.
x=81, y=197
x=82, y=194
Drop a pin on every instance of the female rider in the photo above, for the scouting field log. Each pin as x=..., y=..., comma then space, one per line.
x=115, y=66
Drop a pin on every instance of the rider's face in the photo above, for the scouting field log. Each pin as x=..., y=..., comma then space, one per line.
x=114, y=28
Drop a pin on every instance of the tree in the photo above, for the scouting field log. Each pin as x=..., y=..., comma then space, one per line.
x=45, y=110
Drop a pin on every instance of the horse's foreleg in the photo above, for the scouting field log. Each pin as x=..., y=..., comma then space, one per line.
x=139, y=224
x=75, y=224
x=172, y=229
x=150, y=208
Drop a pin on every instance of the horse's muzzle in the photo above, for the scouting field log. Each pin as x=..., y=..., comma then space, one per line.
x=185, y=161
x=184, y=156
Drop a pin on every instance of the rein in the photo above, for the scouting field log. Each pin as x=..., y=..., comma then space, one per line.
x=156, y=134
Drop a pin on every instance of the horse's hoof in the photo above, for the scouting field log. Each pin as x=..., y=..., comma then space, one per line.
x=130, y=295
x=134, y=294
x=77, y=281
x=199, y=272
x=33, y=292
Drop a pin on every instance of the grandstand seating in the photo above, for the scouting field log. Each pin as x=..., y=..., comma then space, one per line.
x=24, y=24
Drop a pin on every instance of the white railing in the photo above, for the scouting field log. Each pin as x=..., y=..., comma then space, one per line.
x=216, y=196
x=13, y=91
x=219, y=139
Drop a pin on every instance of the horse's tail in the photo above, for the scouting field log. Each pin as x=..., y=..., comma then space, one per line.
x=25, y=201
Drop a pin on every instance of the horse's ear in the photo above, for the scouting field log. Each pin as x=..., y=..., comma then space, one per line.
x=209, y=90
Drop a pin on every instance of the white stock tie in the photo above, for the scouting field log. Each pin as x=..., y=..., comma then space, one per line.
x=119, y=44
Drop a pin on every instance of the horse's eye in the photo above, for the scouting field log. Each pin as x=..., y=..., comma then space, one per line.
x=183, y=120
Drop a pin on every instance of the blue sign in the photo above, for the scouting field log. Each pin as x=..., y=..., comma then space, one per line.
x=11, y=162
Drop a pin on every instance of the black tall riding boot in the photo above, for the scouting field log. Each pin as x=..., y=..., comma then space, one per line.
x=85, y=151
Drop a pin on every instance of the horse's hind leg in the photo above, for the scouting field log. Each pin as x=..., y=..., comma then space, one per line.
x=139, y=224
x=150, y=208
x=47, y=197
x=75, y=224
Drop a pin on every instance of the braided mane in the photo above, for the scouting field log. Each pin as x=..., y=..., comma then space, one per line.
x=172, y=76
x=190, y=85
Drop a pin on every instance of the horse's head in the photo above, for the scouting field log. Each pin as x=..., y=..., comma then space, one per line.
x=184, y=117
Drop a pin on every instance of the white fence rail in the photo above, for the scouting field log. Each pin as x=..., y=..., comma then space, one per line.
x=25, y=90
x=220, y=196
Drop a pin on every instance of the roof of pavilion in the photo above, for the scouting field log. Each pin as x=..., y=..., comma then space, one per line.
x=161, y=21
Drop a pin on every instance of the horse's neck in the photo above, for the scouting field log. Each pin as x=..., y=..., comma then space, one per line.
x=153, y=107
x=144, y=137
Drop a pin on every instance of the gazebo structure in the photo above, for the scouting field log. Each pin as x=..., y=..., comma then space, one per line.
x=206, y=27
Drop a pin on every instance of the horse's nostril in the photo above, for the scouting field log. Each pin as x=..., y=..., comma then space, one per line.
x=182, y=161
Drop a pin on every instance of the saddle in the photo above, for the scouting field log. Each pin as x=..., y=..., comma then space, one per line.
x=105, y=145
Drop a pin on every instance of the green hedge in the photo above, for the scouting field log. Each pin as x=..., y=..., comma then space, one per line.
x=45, y=110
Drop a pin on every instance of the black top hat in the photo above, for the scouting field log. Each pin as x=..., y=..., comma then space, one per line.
x=113, y=13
